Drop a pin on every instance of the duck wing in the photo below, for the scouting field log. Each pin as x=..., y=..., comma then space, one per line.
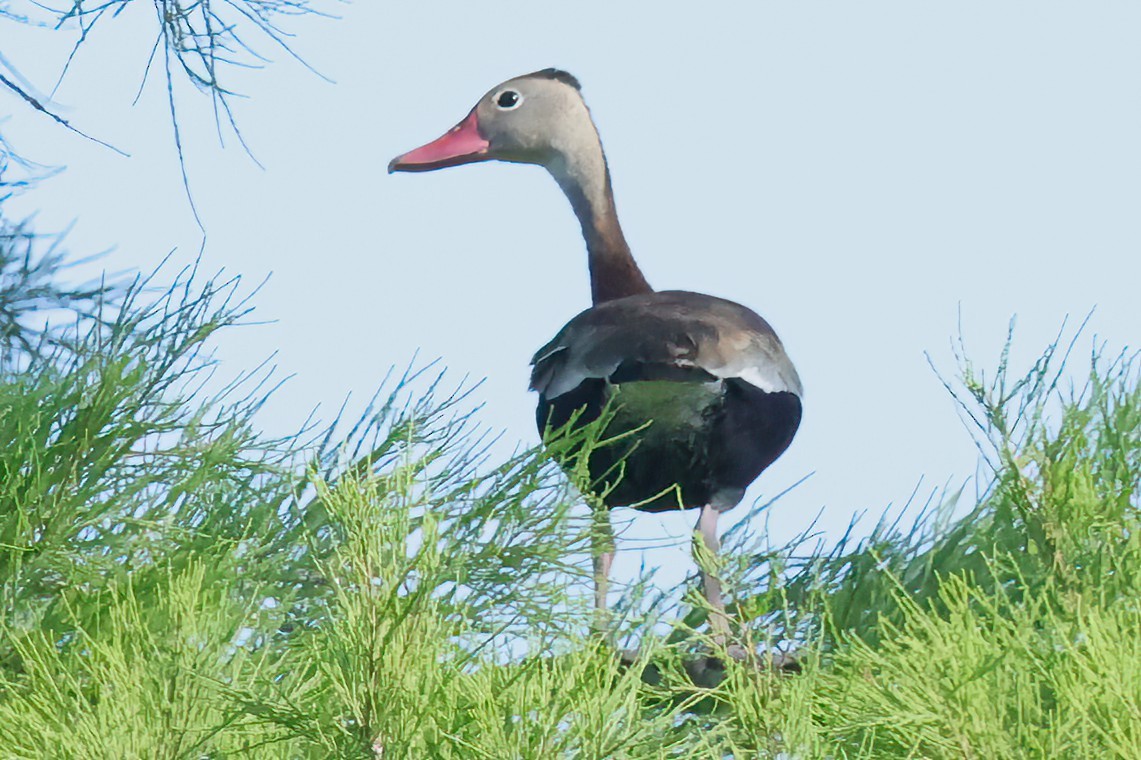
x=666, y=335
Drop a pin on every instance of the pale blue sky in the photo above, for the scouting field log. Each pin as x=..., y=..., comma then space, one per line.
x=855, y=172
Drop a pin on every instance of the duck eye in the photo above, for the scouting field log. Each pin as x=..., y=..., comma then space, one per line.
x=508, y=100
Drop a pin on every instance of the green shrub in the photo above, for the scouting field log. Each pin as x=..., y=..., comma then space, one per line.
x=177, y=585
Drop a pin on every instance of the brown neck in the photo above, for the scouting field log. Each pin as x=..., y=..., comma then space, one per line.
x=585, y=179
x=613, y=271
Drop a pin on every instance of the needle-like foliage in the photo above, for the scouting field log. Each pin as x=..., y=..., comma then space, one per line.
x=203, y=44
x=36, y=304
x=175, y=584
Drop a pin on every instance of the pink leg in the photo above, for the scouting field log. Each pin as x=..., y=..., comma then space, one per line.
x=602, y=564
x=711, y=584
x=602, y=545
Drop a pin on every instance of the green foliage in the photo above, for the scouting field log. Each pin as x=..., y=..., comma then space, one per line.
x=31, y=291
x=176, y=585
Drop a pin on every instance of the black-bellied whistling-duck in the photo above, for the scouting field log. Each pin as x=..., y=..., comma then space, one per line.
x=706, y=380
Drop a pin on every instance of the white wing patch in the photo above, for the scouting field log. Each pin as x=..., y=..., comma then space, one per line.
x=771, y=382
x=762, y=364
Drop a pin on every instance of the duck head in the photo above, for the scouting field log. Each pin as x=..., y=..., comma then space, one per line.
x=537, y=118
x=541, y=118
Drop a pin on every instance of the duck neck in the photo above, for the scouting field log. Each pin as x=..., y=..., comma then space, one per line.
x=585, y=178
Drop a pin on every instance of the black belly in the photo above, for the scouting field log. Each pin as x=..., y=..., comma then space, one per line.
x=709, y=454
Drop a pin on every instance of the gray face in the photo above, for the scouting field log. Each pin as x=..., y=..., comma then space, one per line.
x=534, y=120
x=538, y=118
